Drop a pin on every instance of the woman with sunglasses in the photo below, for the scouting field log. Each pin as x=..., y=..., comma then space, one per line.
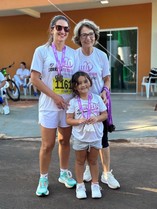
x=51, y=72
x=95, y=62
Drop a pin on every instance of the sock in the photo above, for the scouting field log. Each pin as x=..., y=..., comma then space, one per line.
x=80, y=184
x=95, y=183
x=44, y=175
x=63, y=170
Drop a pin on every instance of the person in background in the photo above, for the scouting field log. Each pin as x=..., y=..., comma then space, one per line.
x=119, y=63
x=21, y=76
x=85, y=114
x=153, y=73
x=95, y=62
x=3, y=102
x=51, y=72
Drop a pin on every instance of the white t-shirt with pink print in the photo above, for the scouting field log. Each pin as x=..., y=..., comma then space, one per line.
x=96, y=65
x=96, y=107
x=44, y=61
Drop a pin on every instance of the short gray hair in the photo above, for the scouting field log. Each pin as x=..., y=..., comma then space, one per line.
x=89, y=24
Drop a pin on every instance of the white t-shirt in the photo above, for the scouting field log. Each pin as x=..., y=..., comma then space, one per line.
x=44, y=62
x=23, y=72
x=96, y=65
x=2, y=78
x=97, y=106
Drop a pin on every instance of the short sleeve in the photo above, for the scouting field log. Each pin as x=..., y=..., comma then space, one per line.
x=38, y=60
x=71, y=107
x=2, y=78
x=106, y=68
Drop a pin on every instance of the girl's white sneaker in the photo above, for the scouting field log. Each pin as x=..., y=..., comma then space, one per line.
x=81, y=191
x=96, y=193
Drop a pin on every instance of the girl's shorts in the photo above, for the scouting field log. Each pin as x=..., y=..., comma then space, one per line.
x=80, y=145
x=53, y=119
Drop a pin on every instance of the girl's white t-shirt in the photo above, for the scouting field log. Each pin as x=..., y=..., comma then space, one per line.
x=96, y=65
x=97, y=106
x=44, y=62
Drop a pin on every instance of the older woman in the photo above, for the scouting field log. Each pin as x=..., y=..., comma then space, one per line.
x=96, y=64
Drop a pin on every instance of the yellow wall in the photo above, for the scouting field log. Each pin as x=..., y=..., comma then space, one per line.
x=20, y=35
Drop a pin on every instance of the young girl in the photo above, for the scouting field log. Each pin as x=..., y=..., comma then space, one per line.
x=85, y=113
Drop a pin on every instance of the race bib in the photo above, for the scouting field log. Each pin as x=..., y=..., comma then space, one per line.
x=62, y=87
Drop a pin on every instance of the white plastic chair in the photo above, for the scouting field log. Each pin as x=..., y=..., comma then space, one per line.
x=24, y=89
x=30, y=86
x=28, y=89
x=149, y=86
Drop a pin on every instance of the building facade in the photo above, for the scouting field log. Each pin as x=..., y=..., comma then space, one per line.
x=21, y=34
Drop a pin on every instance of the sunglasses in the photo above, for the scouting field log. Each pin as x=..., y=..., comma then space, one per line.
x=59, y=28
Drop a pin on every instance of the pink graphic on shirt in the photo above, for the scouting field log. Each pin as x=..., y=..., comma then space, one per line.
x=86, y=66
x=68, y=63
x=94, y=109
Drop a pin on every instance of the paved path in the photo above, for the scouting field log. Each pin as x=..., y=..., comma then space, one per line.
x=134, y=117
x=134, y=166
x=133, y=159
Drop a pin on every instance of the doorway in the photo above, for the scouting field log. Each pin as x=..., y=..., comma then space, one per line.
x=121, y=48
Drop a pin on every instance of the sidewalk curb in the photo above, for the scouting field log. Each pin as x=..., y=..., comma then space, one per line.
x=142, y=142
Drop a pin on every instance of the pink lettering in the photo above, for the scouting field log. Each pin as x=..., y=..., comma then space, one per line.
x=86, y=66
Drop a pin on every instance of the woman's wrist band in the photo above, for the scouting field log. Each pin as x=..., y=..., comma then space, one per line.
x=105, y=89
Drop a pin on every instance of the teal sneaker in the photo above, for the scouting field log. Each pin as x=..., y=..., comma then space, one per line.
x=66, y=179
x=42, y=189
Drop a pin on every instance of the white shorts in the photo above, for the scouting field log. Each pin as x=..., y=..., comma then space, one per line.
x=18, y=81
x=80, y=145
x=53, y=119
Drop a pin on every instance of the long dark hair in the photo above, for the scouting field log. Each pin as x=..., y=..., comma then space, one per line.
x=75, y=83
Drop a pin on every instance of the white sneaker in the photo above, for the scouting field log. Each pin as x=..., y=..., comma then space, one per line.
x=6, y=110
x=81, y=191
x=96, y=193
x=109, y=179
x=87, y=175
